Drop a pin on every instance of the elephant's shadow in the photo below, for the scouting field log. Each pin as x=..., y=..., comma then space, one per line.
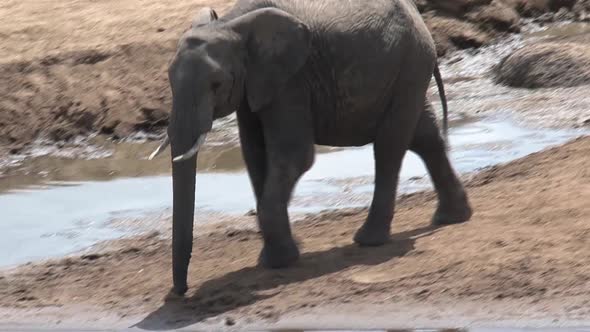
x=251, y=284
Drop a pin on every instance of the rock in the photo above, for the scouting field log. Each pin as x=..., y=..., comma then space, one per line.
x=84, y=119
x=123, y=129
x=455, y=7
x=61, y=132
x=497, y=16
x=460, y=24
x=581, y=9
x=109, y=127
x=230, y=321
x=546, y=65
x=564, y=14
x=422, y=5
x=449, y=34
x=538, y=7
x=91, y=257
x=555, y=5
x=150, y=118
x=153, y=114
x=545, y=18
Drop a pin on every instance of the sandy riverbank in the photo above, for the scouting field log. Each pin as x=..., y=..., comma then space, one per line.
x=99, y=67
x=526, y=246
x=523, y=256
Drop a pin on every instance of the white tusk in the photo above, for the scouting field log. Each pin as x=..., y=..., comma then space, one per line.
x=160, y=148
x=190, y=153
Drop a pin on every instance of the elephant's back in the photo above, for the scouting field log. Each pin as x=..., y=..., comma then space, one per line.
x=359, y=51
x=379, y=24
x=352, y=18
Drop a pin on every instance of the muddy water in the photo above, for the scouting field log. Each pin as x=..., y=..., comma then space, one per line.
x=53, y=218
x=471, y=89
x=71, y=198
x=560, y=32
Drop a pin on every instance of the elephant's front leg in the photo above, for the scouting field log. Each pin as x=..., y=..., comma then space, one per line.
x=279, y=248
x=289, y=154
x=286, y=164
x=272, y=188
x=253, y=147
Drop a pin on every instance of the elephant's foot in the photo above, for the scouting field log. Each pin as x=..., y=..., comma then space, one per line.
x=180, y=289
x=372, y=235
x=278, y=256
x=176, y=292
x=456, y=213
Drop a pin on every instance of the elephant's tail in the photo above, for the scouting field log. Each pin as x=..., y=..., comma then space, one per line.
x=443, y=99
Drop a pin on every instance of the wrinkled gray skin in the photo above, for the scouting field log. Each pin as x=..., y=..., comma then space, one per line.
x=299, y=73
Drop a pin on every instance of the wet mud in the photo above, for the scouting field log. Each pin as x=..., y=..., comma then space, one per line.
x=523, y=254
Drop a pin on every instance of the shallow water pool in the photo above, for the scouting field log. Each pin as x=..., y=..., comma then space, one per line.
x=50, y=219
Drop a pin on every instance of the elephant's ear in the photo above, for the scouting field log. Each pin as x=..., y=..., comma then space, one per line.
x=205, y=16
x=278, y=45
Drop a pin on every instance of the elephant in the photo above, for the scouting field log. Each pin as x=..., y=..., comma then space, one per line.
x=301, y=73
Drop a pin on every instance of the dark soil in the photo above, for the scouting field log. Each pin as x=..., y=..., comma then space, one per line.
x=93, y=67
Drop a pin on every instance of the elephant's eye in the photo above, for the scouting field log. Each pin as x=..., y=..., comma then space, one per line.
x=215, y=86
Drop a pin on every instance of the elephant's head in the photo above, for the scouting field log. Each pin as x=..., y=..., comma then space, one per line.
x=218, y=65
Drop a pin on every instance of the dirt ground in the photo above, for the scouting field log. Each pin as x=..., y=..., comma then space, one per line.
x=77, y=67
x=526, y=245
x=80, y=67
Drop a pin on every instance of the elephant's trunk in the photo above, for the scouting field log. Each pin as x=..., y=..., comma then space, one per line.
x=190, y=120
x=184, y=132
x=187, y=131
x=183, y=210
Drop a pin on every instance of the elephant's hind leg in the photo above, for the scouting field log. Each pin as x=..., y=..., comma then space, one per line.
x=391, y=143
x=453, y=205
